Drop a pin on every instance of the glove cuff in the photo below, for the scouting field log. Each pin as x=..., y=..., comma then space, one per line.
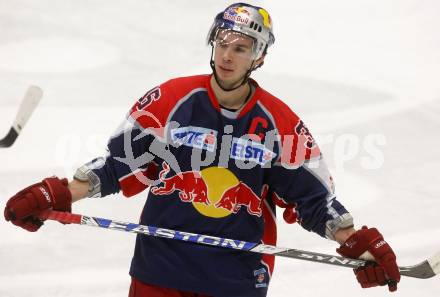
x=62, y=198
x=360, y=242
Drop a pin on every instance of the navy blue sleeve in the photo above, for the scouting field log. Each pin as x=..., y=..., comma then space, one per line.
x=311, y=190
x=128, y=164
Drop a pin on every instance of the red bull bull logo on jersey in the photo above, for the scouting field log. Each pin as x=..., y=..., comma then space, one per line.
x=190, y=186
x=214, y=191
x=241, y=195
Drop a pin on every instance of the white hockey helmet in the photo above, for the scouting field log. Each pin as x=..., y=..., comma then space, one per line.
x=252, y=21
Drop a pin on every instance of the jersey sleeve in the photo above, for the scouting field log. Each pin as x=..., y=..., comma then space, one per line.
x=300, y=178
x=130, y=163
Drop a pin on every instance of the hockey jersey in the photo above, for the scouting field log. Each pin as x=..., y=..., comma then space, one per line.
x=216, y=172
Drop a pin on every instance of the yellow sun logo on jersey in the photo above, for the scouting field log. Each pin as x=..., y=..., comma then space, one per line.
x=214, y=191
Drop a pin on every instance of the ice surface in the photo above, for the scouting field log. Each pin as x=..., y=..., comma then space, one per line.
x=364, y=76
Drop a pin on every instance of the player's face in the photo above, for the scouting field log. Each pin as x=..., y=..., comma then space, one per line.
x=233, y=56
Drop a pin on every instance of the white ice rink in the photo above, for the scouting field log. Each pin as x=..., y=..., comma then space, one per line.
x=364, y=75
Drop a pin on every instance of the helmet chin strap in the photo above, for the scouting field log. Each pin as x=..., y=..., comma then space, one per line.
x=244, y=80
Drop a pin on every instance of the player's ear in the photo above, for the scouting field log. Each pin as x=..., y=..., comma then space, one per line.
x=259, y=62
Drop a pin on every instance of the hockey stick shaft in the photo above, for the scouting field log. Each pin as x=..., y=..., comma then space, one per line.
x=425, y=269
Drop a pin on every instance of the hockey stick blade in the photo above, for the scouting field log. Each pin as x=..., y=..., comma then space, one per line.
x=28, y=104
x=426, y=269
x=9, y=139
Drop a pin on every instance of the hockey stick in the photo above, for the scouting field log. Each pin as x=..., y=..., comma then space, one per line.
x=425, y=269
x=28, y=104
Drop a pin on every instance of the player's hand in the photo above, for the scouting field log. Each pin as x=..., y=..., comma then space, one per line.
x=25, y=206
x=385, y=271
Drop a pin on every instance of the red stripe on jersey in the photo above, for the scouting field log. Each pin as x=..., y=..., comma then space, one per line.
x=138, y=181
x=290, y=214
x=211, y=95
x=153, y=114
x=269, y=234
x=249, y=105
x=279, y=201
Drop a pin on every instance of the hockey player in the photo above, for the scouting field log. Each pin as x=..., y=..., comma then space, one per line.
x=218, y=154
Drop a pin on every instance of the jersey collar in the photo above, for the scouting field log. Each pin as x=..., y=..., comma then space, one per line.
x=247, y=107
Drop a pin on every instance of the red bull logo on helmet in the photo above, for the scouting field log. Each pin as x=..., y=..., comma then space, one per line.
x=237, y=15
x=214, y=191
x=241, y=9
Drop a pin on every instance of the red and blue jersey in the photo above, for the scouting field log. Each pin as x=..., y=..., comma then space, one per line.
x=216, y=172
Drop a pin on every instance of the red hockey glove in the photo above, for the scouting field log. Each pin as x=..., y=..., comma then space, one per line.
x=23, y=208
x=385, y=271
